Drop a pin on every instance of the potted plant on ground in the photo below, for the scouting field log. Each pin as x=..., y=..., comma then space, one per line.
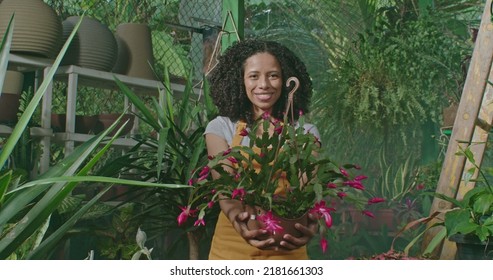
x=470, y=222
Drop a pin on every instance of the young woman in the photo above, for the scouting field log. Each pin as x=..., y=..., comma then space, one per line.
x=248, y=82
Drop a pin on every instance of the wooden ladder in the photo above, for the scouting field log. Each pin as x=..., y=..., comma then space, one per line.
x=472, y=125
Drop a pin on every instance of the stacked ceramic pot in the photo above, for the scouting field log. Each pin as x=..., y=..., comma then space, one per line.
x=10, y=97
x=135, y=56
x=37, y=27
x=94, y=45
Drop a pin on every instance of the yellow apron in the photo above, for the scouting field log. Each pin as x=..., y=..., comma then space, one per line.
x=227, y=244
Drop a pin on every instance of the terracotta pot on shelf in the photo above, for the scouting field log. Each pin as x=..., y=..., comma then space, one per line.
x=384, y=218
x=449, y=113
x=37, y=30
x=106, y=120
x=10, y=97
x=83, y=124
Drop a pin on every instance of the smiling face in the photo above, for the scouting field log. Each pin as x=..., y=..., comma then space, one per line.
x=263, y=82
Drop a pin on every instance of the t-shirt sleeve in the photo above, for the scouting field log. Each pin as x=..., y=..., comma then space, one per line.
x=310, y=128
x=221, y=127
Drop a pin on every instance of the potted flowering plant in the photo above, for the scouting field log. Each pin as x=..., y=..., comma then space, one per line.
x=290, y=158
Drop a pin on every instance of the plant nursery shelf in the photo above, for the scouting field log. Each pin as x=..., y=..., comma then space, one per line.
x=6, y=131
x=62, y=137
x=75, y=77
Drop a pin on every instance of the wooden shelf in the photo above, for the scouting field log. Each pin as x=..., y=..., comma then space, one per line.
x=5, y=130
x=27, y=63
x=106, y=80
x=75, y=77
x=62, y=137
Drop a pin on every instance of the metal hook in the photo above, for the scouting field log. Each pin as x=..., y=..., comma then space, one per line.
x=289, y=105
x=296, y=86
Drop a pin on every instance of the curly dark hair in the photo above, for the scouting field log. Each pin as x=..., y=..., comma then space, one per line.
x=228, y=88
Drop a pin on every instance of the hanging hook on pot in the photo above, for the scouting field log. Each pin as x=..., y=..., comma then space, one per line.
x=289, y=105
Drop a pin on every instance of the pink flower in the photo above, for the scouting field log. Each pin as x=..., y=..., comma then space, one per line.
x=244, y=132
x=278, y=129
x=199, y=222
x=323, y=244
x=266, y=116
x=331, y=185
x=368, y=213
x=323, y=211
x=341, y=195
x=210, y=204
x=190, y=182
x=238, y=192
x=185, y=213
x=233, y=160
x=375, y=200
x=225, y=153
x=360, y=177
x=420, y=187
x=300, y=112
x=354, y=184
x=271, y=223
x=204, y=173
x=344, y=172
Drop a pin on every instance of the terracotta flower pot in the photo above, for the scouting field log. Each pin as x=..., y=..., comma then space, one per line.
x=10, y=97
x=383, y=218
x=83, y=124
x=287, y=224
x=106, y=120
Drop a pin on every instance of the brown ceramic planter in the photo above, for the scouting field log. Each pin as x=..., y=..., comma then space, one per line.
x=83, y=124
x=9, y=106
x=384, y=218
x=106, y=120
x=136, y=39
x=286, y=223
x=38, y=29
x=10, y=97
x=94, y=45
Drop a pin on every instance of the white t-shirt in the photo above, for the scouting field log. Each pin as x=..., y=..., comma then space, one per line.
x=225, y=128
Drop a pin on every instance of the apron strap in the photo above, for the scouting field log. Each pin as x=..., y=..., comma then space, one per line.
x=240, y=126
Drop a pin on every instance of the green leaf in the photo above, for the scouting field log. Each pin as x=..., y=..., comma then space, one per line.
x=459, y=221
x=4, y=53
x=47, y=245
x=4, y=184
x=436, y=241
x=483, y=203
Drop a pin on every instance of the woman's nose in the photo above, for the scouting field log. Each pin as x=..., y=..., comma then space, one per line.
x=264, y=82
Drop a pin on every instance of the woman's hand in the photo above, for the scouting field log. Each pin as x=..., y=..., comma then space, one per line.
x=255, y=237
x=290, y=242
